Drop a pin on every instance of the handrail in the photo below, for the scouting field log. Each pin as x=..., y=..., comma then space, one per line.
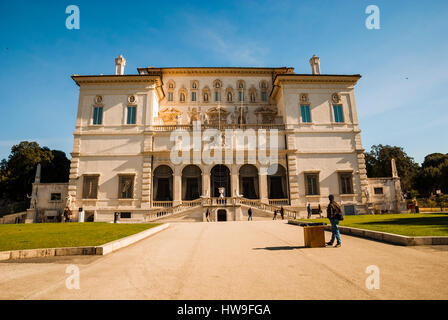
x=158, y=213
x=267, y=207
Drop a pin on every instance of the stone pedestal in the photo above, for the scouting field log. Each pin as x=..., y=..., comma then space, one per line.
x=30, y=216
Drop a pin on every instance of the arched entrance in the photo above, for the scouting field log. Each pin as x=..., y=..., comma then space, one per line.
x=277, y=184
x=191, y=182
x=248, y=175
x=220, y=177
x=221, y=215
x=163, y=184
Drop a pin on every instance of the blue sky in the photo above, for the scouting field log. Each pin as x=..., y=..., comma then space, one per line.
x=401, y=98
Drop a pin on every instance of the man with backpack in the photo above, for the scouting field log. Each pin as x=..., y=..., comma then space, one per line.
x=334, y=213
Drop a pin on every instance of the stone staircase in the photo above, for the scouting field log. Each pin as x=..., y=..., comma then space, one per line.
x=193, y=210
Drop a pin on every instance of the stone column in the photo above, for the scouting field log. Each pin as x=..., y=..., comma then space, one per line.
x=263, y=184
x=177, y=186
x=206, y=182
x=234, y=181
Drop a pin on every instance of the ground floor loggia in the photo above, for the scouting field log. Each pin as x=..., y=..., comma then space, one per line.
x=221, y=180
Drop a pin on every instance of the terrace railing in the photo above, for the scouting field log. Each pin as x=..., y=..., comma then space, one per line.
x=224, y=126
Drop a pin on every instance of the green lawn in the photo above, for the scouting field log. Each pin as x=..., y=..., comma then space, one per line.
x=421, y=224
x=57, y=235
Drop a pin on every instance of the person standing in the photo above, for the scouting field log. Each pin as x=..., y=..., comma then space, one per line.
x=320, y=210
x=249, y=213
x=282, y=212
x=334, y=213
x=207, y=214
x=308, y=209
x=275, y=215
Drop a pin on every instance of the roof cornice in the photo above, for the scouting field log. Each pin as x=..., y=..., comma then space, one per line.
x=215, y=70
x=130, y=78
x=115, y=78
x=282, y=79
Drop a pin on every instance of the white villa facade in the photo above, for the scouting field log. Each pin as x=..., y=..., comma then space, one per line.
x=122, y=153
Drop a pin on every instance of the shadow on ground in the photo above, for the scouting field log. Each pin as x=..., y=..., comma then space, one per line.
x=281, y=248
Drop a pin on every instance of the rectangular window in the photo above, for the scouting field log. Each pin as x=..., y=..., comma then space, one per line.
x=216, y=96
x=312, y=184
x=346, y=183
x=126, y=187
x=338, y=113
x=378, y=190
x=90, y=187
x=349, y=209
x=305, y=111
x=264, y=96
x=125, y=215
x=97, y=115
x=193, y=96
x=170, y=96
x=55, y=197
x=241, y=96
x=132, y=110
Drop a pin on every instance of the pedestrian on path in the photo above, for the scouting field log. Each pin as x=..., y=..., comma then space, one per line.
x=275, y=215
x=308, y=209
x=282, y=212
x=207, y=215
x=249, y=213
x=320, y=210
x=334, y=213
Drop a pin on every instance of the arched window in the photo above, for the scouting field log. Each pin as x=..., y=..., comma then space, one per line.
x=248, y=176
x=276, y=179
x=191, y=182
x=163, y=184
x=220, y=178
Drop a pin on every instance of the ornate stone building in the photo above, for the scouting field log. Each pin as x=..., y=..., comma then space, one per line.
x=123, y=143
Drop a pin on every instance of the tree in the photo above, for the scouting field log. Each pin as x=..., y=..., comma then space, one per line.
x=378, y=164
x=434, y=174
x=18, y=172
x=58, y=169
x=434, y=160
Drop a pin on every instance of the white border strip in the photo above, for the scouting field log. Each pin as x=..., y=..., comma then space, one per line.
x=75, y=251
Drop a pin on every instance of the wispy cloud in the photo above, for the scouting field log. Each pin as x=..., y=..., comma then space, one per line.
x=221, y=39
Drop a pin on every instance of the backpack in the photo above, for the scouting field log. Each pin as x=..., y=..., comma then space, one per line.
x=338, y=214
x=335, y=211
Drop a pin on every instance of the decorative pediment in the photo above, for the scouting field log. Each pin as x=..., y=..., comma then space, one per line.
x=266, y=114
x=169, y=115
x=217, y=114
